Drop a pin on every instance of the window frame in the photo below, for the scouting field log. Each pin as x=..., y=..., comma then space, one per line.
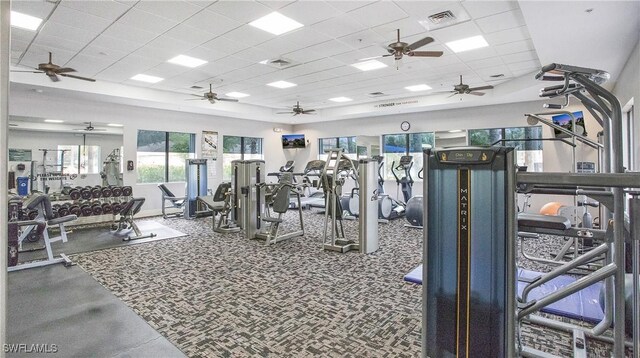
x=167, y=151
x=503, y=136
x=348, y=139
x=79, y=157
x=407, y=151
x=242, y=151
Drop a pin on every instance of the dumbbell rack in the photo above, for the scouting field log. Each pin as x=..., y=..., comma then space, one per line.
x=92, y=205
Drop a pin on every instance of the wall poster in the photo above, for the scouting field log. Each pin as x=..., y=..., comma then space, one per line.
x=209, y=150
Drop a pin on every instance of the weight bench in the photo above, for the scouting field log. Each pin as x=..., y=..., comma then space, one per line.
x=126, y=220
x=175, y=202
x=220, y=203
x=41, y=224
x=531, y=226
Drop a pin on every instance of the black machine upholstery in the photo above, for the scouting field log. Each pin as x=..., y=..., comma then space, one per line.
x=543, y=221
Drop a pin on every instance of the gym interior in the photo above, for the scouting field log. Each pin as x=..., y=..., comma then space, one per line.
x=320, y=178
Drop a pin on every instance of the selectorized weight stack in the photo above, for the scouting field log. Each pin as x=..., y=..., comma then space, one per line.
x=249, y=197
x=469, y=255
x=196, y=171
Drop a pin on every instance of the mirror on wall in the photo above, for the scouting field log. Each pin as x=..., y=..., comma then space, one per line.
x=55, y=154
x=451, y=138
x=368, y=146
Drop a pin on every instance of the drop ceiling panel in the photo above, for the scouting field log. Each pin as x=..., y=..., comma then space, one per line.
x=189, y=34
x=242, y=11
x=481, y=8
x=209, y=54
x=302, y=56
x=378, y=13
x=515, y=47
x=254, y=54
x=346, y=6
x=146, y=21
x=525, y=65
x=364, y=38
x=486, y=72
x=308, y=12
x=169, y=9
x=339, y=26
x=408, y=27
x=80, y=20
x=116, y=45
x=72, y=33
x=22, y=34
x=40, y=9
x=478, y=54
x=297, y=39
x=130, y=34
x=168, y=46
x=88, y=66
x=276, y=4
x=211, y=22
x=485, y=63
x=103, y=52
x=168, y=70
x=422, y=9
x=106, y=9
x=140, y=63
x=520, y=57
x=330, y=48
x=505, y=36
x=248, y=35
x=457, y=32
x=58, y=42
x=222, y=44
x=502, y=21
x=40, y=54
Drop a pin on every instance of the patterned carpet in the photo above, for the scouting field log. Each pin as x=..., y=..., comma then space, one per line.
x=219, y=295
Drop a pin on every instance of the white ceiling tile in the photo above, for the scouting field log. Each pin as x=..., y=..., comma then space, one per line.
x=57, y=42
x=146, y=21
x=19, y=45
x=378, y=13
x=527, y=71
x=88, y=65
x=276, y=4
x=168, y=70
x=254, y=54
x=308, y=12
x=477, y=54
x=116, y=44
x=364, y=39
x=515, y=47
x=304, y=55
x=176, y=10
x=189, y=34
x=486, y=72
x=526, y=65
x=202, y=3
x=106, y=9
x=243, y=11
x=171, y=45
x=40, y=54
x=128, y=33
x=116, y=73
x=94, y=50
x=207, y=53
x=248, y=35
x=40, y=9
x=80, y=20
x=444, y=60
x=211, y=22
x=485, y=63
x=140, y=63
x=482, y=8
x=502, y=21
x=225, y=45
x=422, y=9
x=456, y=32
x=22, y=34
x=330, y=48
x=64, y=31
x=338, y=26
x=346, y=6
x=520, y=57
x=408, y=27
x=505, y=36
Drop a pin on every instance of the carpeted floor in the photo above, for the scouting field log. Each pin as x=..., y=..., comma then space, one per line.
x=220, y=295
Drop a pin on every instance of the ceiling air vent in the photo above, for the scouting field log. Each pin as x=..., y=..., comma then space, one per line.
x=442, y=17
x=497, y=75
x=279, y=63
x=453, y=14
x=196, y=87
x=376, y=94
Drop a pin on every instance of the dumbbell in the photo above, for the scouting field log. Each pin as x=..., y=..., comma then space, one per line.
x=96, y=191
x=116, y=191
x=106, y=192
x=63, y=210
x=74, y=194
x=85, y=209
x=116, y=207
x=127, y=191
x=106, y=208
x=96, y=208
x=74, y=209
x=32, y=214
x=85, y=193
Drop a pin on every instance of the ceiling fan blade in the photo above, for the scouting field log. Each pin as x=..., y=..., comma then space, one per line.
x=453, y=94
x=64, y=70
x=194, y=99
x=416, y=45
x=27, y=71
x=308, y=111
x=53, y=76
x=197, y=95
x=284, y=112
x=425, y=53
x=476, y=93
x=78, y=77
x=480, y=88
x=212, y=101
x=227, y=99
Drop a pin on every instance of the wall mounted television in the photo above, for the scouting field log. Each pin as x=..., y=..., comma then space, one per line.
x=564, y=121
x=293, y=141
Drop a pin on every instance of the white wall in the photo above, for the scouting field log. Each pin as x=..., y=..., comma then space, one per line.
x=135, y=118
x=627, y=89
x=557, y=156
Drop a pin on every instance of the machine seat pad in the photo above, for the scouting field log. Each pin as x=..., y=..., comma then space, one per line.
x=554, y=222
x=62, y=219
x=272, y=220
x=210, y=203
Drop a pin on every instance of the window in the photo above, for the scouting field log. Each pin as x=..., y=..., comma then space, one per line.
x=397, y=145
x=79, y=159
x=239, y=148
x=162, y=155
x=524, y=139
x=347, y=143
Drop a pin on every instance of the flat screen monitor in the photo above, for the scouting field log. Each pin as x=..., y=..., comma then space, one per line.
x=293, y=141
x=564, y=121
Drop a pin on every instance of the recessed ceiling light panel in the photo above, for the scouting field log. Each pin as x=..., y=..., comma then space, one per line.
x=146, y=78
x=236, y=94
x=25, y=21
x=369, y=65
x=54, y=120
x=115, y=125
x=469, y=43
x=340, y=99
x=281, y=84
x=417, y=88
x=187, y=61
x=276, y=23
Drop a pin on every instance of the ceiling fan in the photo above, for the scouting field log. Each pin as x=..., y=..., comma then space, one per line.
x=399, y=49
x=52, y=70
x=89, y=128
x=295, y=110
x=211, y=97
x=465, y=89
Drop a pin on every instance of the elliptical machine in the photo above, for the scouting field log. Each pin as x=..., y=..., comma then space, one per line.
x=415, y=209
x=389, y=208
